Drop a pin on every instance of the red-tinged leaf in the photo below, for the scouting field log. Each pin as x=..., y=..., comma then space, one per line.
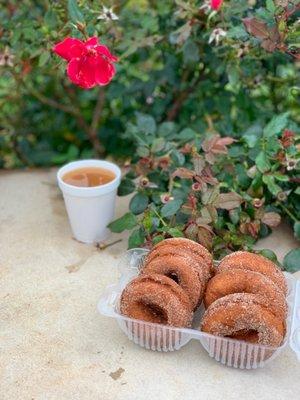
x=191, y=232
x=274, y=34
x=256, y=28
x=205, y=237
x=225, y=141
x=210, y=158
x=271, y=219
x=228, y=201
x=199, y=164
x=207, y=144
x=268, y=45
x=183, y=173
x=219, y=149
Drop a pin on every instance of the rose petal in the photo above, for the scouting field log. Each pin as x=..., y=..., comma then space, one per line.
x=104, y=71
x=93, y=41
x=69, y=48
x=81, y=72
x=87, y=71
x=103, y=50
x=73, y=70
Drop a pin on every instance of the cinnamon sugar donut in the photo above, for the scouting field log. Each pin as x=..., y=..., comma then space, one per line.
x=158, y=299
x=203, y=268
x=180, y=269
x=256, y=263
x=246, y=317
x=189, y=245
x=243, y=281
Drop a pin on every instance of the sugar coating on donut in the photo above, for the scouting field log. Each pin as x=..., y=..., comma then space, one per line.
x=239, y=281
x=244, y=313
x=179, y=268
x=196, y=261
x=254, y=262
x=156, y=298
x=189, y=245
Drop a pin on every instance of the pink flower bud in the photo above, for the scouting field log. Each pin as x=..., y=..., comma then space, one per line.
x=216, y=4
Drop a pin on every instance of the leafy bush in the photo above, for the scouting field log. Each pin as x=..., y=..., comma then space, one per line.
x=167, y=69
x=207, y=100
x=222, y=192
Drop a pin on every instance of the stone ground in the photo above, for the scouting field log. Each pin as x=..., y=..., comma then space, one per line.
x=53, y=343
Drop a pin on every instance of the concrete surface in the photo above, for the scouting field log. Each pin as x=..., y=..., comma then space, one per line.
x=53, y=343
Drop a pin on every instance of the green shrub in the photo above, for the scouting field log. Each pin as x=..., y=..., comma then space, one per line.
x=167, y=69
x=208, y=103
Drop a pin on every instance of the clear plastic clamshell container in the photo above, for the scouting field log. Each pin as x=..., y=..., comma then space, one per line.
x=156, y=337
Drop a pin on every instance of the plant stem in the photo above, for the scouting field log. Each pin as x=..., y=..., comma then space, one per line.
x=181, y=96
x=292, y=216
x=95, y=121
x=90, y=130
x=102, y=246
x=159, y=217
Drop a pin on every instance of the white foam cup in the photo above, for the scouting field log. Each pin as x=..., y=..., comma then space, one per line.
x=90, y=209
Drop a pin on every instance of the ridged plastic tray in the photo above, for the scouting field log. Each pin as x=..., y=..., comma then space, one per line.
x=156, y=337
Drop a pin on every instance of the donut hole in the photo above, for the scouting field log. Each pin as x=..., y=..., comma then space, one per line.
x=152, y=313
x=248, y=335
x=172, y=275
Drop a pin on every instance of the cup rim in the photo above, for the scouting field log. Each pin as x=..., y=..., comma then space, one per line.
x=93, y=190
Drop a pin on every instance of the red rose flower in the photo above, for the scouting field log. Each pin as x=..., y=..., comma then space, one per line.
x=89, y=63
x=216, y=4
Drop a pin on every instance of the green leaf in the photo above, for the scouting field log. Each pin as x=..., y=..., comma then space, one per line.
x=253, y=135
x=280, y=177
x=142, y=151
x=251, y=139
x=146, y=123
x=127, y=221
x=235, y=215
x=291, y=261
x=264, y=230
x=44, y=58
x=50, y=19
x=138, y=203
x=269, y=254
x=126, y=187
x=158, y=145
x=190, y=52
x=177, y=158
x=297, y=191
x=237, y=32
x=270, y=6
x=276, y=125
x=157, y=239
x=269, y=180
x=297, y=230
x=262, y=162
x=170, y=209
x=233, y=77
x=167, y=128
x=175, y=232
x=186, y=135
x=74, y=12
x=272, y=146
x=136, y=238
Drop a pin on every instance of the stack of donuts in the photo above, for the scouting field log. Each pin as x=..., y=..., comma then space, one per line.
x=171, y=284
x=244, y=297
x=246, y=300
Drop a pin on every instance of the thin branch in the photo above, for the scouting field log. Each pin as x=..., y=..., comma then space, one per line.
x=180, y=98
x=293, y=10
x=95, y=121
x=50, y=102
